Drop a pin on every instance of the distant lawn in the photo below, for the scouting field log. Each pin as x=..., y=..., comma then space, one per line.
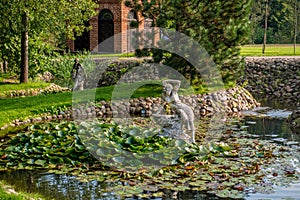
x=247, y=50
x=271, y=50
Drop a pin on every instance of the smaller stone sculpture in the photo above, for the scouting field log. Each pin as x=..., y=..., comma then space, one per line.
x=78, y=75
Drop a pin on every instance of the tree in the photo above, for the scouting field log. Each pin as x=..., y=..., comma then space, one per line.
x=21, y=20
x=279, y=17
x=24, y=49
x=220, y=26
x=295, y=22
x=265, y=26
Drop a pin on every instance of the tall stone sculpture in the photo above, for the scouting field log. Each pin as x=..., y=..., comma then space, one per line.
x=184, y=115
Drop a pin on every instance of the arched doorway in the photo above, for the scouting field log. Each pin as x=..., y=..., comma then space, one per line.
x=105, y=31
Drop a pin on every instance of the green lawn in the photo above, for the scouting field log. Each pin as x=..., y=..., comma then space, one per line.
x=22, y=86
x=7, y=84
x=271, y=50
x=23, y=107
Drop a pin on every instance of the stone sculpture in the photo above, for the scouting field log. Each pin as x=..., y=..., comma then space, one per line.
x=182, y=122
x=78, y=75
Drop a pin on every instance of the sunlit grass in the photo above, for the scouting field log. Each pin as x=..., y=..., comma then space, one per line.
x=8, y=84
x=5, y=195
x=271, y=50
x=22, y=86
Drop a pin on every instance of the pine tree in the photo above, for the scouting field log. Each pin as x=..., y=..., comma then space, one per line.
x=220, y=26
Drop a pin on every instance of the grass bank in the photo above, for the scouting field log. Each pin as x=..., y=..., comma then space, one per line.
x=271, y=50
x=8, y=84
x=8, y=193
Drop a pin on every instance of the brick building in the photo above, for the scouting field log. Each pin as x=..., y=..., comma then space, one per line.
x=113, y=18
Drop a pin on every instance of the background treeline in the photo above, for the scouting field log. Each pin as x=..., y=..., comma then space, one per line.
x=220, y=26
x=282, y=17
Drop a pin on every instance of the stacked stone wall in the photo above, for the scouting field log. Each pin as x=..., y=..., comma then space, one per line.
x=277, y=77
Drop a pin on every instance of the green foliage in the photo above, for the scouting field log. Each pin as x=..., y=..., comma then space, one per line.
x=132, y=139
x=49, y=22
x=6, y=196
x=60, y=67
x=282, y=16
x=219, y=26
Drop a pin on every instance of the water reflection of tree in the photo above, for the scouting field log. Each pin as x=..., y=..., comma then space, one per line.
x=270, y=126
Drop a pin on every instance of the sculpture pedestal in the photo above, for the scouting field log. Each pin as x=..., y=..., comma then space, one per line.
x=171, y=126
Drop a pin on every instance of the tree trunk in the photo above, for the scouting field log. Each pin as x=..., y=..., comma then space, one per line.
x=5, y=66
x=295, y=23
x=24, y=50
x=266, y=27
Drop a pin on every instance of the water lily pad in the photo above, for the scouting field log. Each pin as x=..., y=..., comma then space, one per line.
x=40, y=162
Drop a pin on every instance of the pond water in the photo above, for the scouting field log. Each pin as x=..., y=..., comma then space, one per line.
x=261, y=123
x=270, y=124
x=65, y=187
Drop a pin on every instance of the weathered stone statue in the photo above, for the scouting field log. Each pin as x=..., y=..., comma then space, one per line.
x=78, y=75
x=183, y=121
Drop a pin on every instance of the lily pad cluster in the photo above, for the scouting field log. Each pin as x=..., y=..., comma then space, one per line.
x=44, y=146
x=130, y=147
x=230, y=167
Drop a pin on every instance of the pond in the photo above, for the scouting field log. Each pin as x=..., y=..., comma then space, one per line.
x=261, y=123
x=270, y=124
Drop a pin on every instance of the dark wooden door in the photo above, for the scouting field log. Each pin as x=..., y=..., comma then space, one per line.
x=106, y=31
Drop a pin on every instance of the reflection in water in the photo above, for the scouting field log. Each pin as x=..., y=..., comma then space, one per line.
x=270, y=124
x=67, y=187
x=268, y=129
x=54, y=186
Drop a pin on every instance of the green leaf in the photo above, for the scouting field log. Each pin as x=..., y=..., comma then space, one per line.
x=40, y=162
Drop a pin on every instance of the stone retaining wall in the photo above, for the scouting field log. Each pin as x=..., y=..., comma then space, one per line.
x=230, y=101
x=277, y=77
